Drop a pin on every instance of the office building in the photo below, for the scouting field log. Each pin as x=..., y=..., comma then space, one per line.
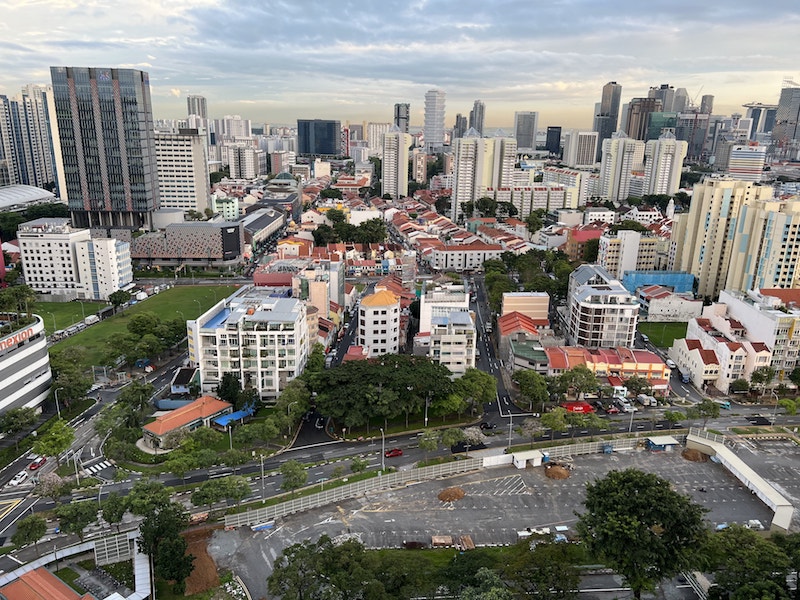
x=763, y=117
x=746, y=162
x=394, y=165
x=104, y=267
x=701, y=242
x=481, y=163
x=666, y=93
x=402, y=116
x=477, y=115
x=707, y=104
x=607, y=118
x=318, y=137
x=787, y=117
x=661, y=123
x=621, y=156
x=182, y=165
x=379, y=323
x=600, y=311
x=196, y=105
x=680, y=101
x=25, y=376
x=434, y=121
x=47, y=250
x=106, y=153
x=663, y=163
x=231, y=127
x=638, y=120
x=262, y=339
x=692, y=128
x=580, y=149
x=525, y=127
x=460, y=128
x=553, y=143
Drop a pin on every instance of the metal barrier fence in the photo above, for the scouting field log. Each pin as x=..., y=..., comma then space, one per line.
x=352, y=490
x=703, y=433
x=112, y=549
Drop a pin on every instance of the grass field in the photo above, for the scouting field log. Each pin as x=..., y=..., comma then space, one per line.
x=65, y=313
x=663, y=334
x=177, y=303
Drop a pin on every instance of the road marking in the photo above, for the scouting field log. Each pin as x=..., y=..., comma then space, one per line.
x=6, y=506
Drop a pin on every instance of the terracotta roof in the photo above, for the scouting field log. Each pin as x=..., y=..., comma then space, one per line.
x=693, y=344
x=516, y=321
x=382, y=298
x=785, y=295
x=709, y=357
x=759, y=346
x=40, y=584
x=202, y=408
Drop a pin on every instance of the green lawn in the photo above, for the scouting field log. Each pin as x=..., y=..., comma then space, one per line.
x=663, y=334
x=176, y=303
x=64, y=313
x=69, y=576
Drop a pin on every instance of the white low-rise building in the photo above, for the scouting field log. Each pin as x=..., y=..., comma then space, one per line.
x=264, y=340
x=379, y=323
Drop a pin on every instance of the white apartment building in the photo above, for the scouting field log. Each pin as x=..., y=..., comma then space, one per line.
x=575, y=183
x=444, y=299
x=263, y=340
x=481, y=164
x=464, y=257
x=25, y=376
x=621, y=156
x=182, y=164
x=547, y=196
x=375, y=133
x=602, y=214
x=104, y=266
x=627, y=251
x=394, y=165
x=47, y=250
x=434, y=121
x=600, y=311
x=580, y=148
x=746, y=162
x=663, y=164
x=379, y=323
x=247, y=162
x=452, y=341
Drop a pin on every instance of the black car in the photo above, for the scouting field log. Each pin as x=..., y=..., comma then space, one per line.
x=486, y=425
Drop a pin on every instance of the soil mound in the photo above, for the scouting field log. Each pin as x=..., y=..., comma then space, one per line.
x=451, y=494
x=556, y=472
x=694, y=455
x=204, y=576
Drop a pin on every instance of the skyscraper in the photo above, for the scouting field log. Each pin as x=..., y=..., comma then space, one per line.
x=394, y=178
x=607, y=118
x=107, y=163
x=318, y=137
x=580, y=148
x=663, y=162
x=746, y=162
x=402, y=112
x=182, y=162
x=621, y=155
x=26, y=155
x=460, y=127
x=525, y=126
x=476, y=116
x=434, y=121
x=553, y=143
x=787, y=118
x=666, y=93
x=196, y=105
x=638, y=120
x=707, y=104
x=375, y=133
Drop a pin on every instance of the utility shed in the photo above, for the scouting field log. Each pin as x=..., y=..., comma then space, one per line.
x=441, y=541
x=661, y=443
x=521, y=458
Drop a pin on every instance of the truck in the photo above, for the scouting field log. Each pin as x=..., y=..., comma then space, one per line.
x=141, y=296
x=685, y=376
x=91, y=319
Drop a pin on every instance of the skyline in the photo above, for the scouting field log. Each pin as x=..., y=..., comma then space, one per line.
x=277, y=61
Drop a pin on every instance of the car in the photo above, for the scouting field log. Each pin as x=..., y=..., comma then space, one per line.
x=612, y=410
x=38, y=462
x=393, y=452
x=486, y=425
x=19, y=478
x=671, y=363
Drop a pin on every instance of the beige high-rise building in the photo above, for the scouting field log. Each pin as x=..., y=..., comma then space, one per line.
x=627, y=251
x=182, y=163
x=702, y=239
x=621, y=156
x=394, y=178
x=663, y=163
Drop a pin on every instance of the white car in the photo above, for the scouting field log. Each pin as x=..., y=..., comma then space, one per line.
x=19, y=478
x=671, y=363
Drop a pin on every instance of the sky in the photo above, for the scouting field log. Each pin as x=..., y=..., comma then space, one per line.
x=275, y=61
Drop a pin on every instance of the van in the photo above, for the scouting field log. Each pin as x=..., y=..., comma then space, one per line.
x=726, y=404
x=19, y=478
x=671, y=363
x=645, y=339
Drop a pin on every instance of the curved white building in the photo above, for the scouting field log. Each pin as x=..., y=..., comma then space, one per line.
x=25, y=375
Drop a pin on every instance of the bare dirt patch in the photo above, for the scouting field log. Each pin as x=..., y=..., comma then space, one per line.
x=451, y=494
x=556, y=472
x=204, y=576
x=694, y=455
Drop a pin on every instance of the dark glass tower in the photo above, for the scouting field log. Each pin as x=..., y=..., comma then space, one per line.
x=606, y=120
x=318, y=137
x=108, y=158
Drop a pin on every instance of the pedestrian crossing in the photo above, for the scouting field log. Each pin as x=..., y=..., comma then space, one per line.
x=97, y=468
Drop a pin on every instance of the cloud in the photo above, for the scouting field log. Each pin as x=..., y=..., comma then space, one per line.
x=354, y=60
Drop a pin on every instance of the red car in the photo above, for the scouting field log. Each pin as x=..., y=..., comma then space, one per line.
x=37, y=463
x=393, y=452
x=612, y=410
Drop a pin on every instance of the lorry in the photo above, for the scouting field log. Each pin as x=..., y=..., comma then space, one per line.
x=91, y=319
x=685, y=376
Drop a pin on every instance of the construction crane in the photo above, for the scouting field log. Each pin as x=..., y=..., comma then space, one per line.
x=693, y=102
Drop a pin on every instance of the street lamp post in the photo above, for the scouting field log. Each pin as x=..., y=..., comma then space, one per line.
x=58, y=408
x=775, y=412
x=55, y=328
x=510, y=427
x=630, y=425
x=383, y=451
x=83, y=312
x=199, y=307
x=427, y=402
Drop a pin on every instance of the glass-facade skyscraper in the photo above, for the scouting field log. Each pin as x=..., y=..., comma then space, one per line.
x=319, y=137
x=106, y=146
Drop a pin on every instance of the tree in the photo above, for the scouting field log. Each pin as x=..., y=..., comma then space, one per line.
x=490, y=587
x=790, y=545
x=674, y=416
x=637, y=525
x=452, y=437
x=76, y=516
x=546, y=570
x=591, y=249
x=147, y=497
x=430, y=441
x=580, y=379
x=477, y=388
x=51, y=486
x=118, y=298
x=762, y=376
x=555, y=420
x=358, y=465
x=16, y=420
x=136, y=395
x=113, y=509
x=229, y=387
x=532, y=386
x=738, y=557
x=57, y=439
x=706, y=409
x=294, y=475
x=160, y=539
x=535, y=220
x=531, y=428
x=29, y=531
x=740, y=385
x=638, y=385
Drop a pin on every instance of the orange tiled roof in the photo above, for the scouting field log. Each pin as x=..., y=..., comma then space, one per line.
x=516, y=321
x=40, y=584
x=202, y=408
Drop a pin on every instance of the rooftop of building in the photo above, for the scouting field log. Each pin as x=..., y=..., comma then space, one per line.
x=40, y=584
x=202, y=408
x=19, y=196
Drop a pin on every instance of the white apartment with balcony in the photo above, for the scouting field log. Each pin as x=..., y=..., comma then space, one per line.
x=264, y=340
x=379, y=323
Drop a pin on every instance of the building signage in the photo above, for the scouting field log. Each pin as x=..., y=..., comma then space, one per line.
x=15, y=339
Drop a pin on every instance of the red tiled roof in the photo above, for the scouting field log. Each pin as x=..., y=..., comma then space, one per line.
x=40, y=584
x=709, y=357
x=516, y=321
x=759, y=346
x=202, y=408
x=785, y=295
x=693, y=344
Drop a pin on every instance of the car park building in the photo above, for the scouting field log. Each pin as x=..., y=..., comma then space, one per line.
x=25, y=376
